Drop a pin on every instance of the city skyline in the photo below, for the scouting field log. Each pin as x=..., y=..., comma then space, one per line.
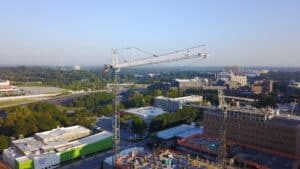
x=252, y=33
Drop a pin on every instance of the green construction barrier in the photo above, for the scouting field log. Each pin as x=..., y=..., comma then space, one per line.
x=28, y=164
x=86, y=150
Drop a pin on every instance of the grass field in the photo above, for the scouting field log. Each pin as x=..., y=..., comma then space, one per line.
x=8, y=103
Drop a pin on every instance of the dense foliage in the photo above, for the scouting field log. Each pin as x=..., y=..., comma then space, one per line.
x=4, y=142
x=282, y=76
x=184, y=115
x=138, y=125
x=268, y=100
x=138, y=100
x=91, y=100
x=36, y=117
x=96, y=103
x=69, y=79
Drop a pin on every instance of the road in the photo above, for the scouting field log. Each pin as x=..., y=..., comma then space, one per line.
x=55, y=98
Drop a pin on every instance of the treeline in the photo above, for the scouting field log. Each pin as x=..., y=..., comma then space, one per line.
x=68, y=79
x=282, y=76
x=27, y=120
x=162, y=75
x=184, y=115
x=91, y=100
x=268, y=100
x=135, y=99
x=95, y=103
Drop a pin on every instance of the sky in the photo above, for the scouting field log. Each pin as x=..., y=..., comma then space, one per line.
x=69, y=32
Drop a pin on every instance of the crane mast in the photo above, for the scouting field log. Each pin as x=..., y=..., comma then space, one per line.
x=115, y=67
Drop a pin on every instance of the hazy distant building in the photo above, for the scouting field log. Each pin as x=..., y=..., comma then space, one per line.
x=5, y=87
x=224, y=76
x=264, y=128
x=173, y=104
x=4, y=84
x=262, y=86
x=76, y=67
x=195, y=83
x=233, y=69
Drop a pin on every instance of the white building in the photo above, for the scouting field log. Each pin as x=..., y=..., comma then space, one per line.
x=242, y=80
x=6, y=87
x=146, y=113
x=46, y=150
x=195, y=83
x=168, y=137
x=76, y=67
x=4, y=83
x=295, y=84
x=173, y=104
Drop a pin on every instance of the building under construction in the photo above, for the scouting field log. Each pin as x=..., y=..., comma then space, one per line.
x=161, y=159
x=271, y=135
x=240, y=155
x=259, y=127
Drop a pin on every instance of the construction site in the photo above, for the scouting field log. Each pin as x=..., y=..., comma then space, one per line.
x=238, y=154
x=168, y=159
x=232, y=137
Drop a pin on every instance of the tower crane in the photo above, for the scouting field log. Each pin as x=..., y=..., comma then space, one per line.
x=223, y=146
x=293, y=107
x=116, y=66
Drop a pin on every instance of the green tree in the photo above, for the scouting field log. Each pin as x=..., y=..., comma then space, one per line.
x=158, y=92
x=138, y=125
x=4, y=142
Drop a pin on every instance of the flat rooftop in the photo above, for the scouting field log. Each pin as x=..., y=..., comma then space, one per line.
x=272, y=114
x=146, y=112
x=181, y=131
x=186, y=98
x=61, y=131
x=188, y=80
x=31, y=146
x=190, y=132
x=2, y=81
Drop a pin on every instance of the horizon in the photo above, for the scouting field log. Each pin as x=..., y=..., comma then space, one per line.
x=251, y=33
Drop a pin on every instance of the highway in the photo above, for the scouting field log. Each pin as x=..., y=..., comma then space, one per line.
x=55, y=98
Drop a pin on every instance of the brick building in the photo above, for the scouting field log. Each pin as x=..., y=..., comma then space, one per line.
x=257, y=127
x=262, y=86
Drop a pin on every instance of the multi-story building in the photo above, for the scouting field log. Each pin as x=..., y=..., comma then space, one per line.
x=76, y=67
x=5, y=87
x=264, y=128
x=242, y=80
x=173, y=104
x=146, y=113
x=47, y=150
x=262, y=86
x=233, y=69
x=195, y=83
